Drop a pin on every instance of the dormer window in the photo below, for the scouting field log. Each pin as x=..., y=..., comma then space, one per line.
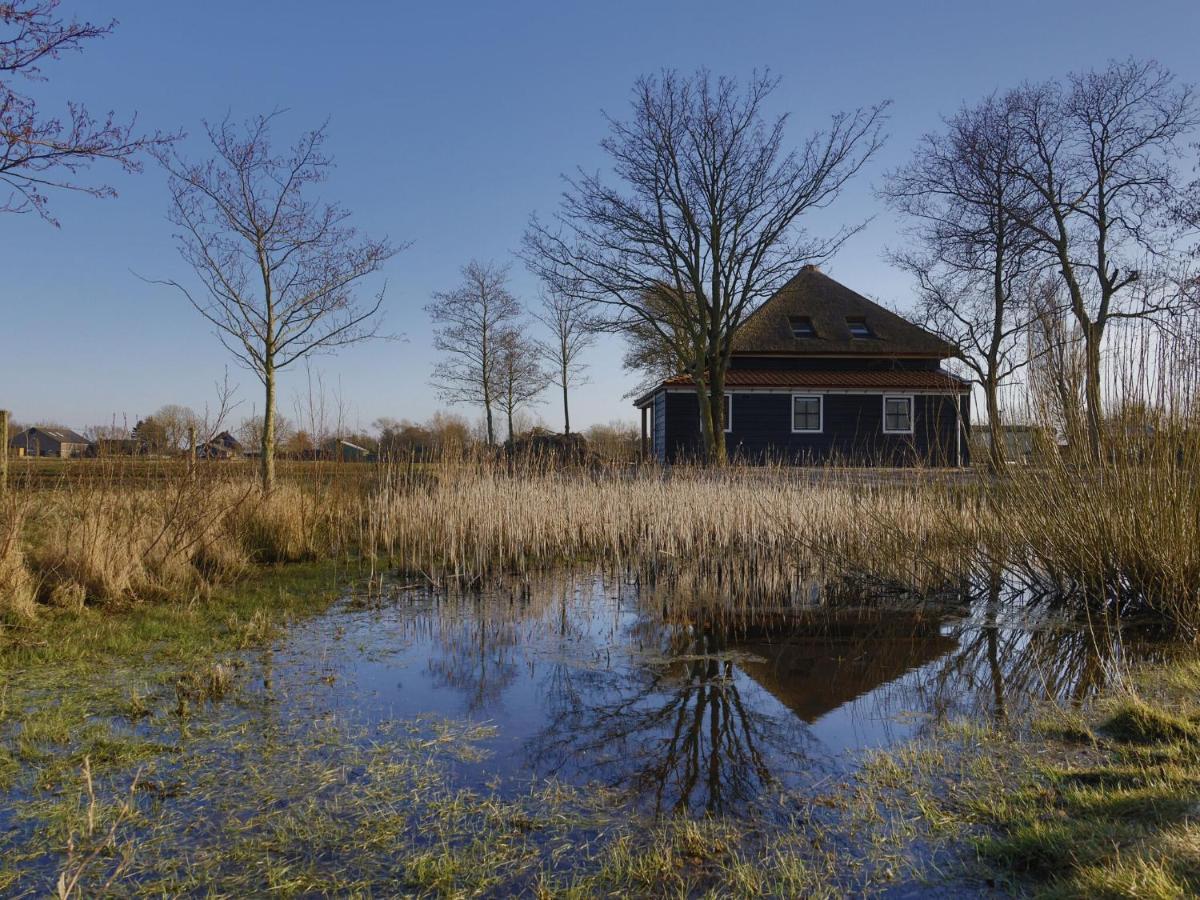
x=802, y=327
x=858, y=327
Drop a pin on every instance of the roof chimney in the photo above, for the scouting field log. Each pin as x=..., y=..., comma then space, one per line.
x=809, y=267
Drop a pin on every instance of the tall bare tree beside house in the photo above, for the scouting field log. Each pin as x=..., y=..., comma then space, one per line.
x=973, y=259
x=709, y=206
x=571, y=334
x=520, y=375
x=42, y=152
x=278, y=270
x=1097, y=151
x=469, y=321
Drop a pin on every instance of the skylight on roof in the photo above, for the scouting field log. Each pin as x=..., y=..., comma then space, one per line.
x=802, y=327
x=858, y=327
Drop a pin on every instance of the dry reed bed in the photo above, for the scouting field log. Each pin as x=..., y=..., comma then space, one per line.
x=1122, y=534
x=474, y=520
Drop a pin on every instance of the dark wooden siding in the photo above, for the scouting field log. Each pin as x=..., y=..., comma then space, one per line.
x=852, y=432
x=659, y=423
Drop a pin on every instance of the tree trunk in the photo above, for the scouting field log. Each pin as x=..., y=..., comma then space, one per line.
x=512, y=438
x=491, y=432
x=566, y=409
x=716, y=405
x=1092, y=336
x=4, y=451
x=996, y=458
x=704, y=411
x=268, y=438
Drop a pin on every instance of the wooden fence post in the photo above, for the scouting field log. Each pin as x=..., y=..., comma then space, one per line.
x=4, y=451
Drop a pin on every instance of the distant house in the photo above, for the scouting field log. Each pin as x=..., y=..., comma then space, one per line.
x=46, y=441
x=223, y=446
x=335, y=450
x=819, y=373
x=345, y=451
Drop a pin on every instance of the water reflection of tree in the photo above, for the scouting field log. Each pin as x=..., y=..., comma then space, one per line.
x=477, y=656
x=677, y=732
x=1016, y=649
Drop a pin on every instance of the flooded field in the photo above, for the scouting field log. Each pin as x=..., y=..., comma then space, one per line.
x=573, y=733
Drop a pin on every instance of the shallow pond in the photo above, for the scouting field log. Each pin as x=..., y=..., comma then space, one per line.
x=372, y=744
x=587, y=682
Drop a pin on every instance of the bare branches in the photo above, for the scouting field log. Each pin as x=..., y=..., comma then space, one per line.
x=707, y=218
x=470, y=320
x=1097, y=153
x=519, y=372
x=975, y=258
x=278, y=270
x=572, y=332
x=39, y=153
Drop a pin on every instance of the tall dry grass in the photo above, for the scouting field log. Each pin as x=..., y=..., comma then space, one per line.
x=1122, y=532
x=758, y=528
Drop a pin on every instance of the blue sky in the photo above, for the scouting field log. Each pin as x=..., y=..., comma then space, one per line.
x=450, y=124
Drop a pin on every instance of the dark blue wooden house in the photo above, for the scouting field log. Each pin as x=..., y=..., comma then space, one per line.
x=821, y=374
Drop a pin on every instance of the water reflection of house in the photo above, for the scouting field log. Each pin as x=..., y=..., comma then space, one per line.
x=813, y=671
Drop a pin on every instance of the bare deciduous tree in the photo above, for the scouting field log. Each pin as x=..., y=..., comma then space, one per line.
x=278, y=270
x=470, y=320
x=176, y=422
x=571, y=334
x=973, y=259
x=38, y=152
x=707, y=217
x=520, y=376
x=1097, y=152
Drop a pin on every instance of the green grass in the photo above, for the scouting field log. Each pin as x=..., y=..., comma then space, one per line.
x=1105, y=804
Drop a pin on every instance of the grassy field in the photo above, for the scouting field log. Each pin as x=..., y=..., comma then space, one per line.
x=104, y=561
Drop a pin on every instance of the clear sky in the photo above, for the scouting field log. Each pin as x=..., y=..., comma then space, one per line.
x=451, y=123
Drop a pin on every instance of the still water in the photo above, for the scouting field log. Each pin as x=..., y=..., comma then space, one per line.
x=590, y=680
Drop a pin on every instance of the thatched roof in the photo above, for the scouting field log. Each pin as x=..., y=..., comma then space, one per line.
x=829, y=307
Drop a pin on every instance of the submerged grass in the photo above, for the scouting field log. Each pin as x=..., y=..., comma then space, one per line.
x=1105, y=804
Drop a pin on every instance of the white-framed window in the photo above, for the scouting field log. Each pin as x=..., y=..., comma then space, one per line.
x=802, y=327
x=858, y=327
x=897, y=414
x=808, y=413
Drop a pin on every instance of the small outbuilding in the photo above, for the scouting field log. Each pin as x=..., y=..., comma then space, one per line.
x=223, y=446
x=821, y=374
x=49, y=441
x=345, y=451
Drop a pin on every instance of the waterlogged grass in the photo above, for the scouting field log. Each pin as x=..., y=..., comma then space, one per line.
x=328, y=809
x=1098, y=804
x=151, y=752
x=156, y=754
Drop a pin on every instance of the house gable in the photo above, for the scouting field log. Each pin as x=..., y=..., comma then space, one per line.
x=813, y=315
